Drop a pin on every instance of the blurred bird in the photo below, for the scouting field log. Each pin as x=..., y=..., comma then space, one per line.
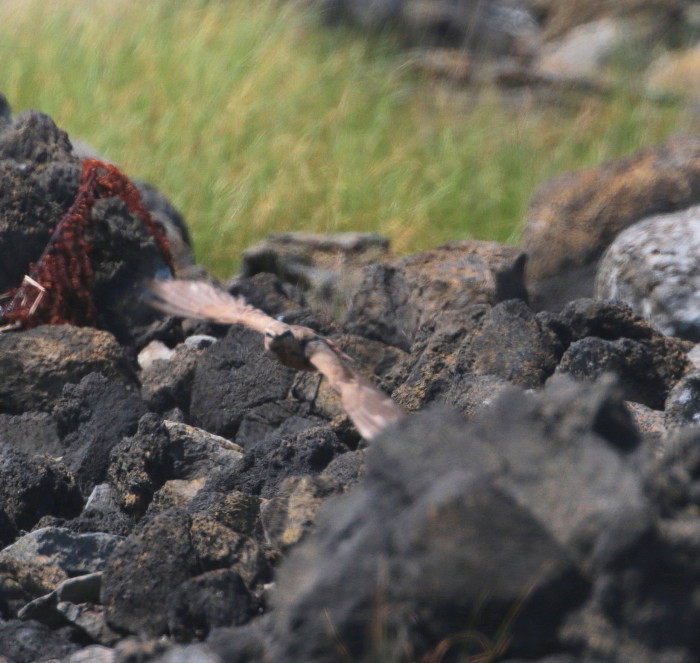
x=294, y=346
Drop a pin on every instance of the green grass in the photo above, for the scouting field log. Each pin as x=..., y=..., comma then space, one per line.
x=253, y=119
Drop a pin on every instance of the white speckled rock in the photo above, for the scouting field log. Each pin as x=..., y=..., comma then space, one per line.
x=654, y=266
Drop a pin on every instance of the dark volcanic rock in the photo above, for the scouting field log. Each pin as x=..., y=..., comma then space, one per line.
x=468, y=362
x=141, y=575
x=94, y=416
x=397, y=297
x=101, y=513
x=141, y=464
x=233, y=376
x=238, y=511
x=212, y=599
x=607, y=336
x=32, y=487
x=326, y=266
x=31, y=432
x=27, y=642
x=512, y=344
x=34, y=138
x=220, y=546
x=347, y=468
x=268, y=463
x=35, y=365
x=445, y=507
x=673, y=477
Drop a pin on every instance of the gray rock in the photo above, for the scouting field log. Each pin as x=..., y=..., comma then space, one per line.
x=32, y=432
x=28, y=642
x=35, y=365
x=92, y=654
x=32, y=487
x=202, y=452
x=41, y=560
x=654, y=266
x=73, y=603
x=427, y=527
x=93, y=417
x=141, y=575
x=396, y=298
x=585, y=49
x=682, y=407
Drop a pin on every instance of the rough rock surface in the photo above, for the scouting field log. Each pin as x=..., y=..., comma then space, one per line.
x=574, y=217
x=37, y=364
x=396, y=298
x=212, y=506
x=31, y=487
x=653, y=266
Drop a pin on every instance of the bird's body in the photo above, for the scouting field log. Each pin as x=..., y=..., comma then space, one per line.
x=295, y=346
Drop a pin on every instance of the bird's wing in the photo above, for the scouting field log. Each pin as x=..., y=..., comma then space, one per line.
x=198, y=299
x=368, y=408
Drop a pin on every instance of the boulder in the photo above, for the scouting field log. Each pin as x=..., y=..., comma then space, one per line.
x=35, y=365
x=653, y=267
x=93, y=417
x=140, y=577
x=39, y=561
x=32, y=487
x=574, y=217
x=396, y=298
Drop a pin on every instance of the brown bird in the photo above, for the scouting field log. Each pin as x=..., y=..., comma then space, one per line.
x=294, y=346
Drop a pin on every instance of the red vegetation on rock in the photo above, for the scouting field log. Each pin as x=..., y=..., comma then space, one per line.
x=58, y=288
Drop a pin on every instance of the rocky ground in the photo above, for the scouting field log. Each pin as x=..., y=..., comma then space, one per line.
x=540, y=46
x=169, y=493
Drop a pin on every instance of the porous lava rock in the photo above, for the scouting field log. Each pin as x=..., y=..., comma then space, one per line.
x=35, y=365
x=231, y=512
x=233, y=376
x=32, y=486
x=396, y=298
x=607, y=336
x=143, y=572
x=93, y=416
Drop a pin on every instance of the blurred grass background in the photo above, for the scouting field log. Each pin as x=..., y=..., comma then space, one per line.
x=253, y=119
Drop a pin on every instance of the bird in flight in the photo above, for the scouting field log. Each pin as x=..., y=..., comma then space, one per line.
x=293, y=345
